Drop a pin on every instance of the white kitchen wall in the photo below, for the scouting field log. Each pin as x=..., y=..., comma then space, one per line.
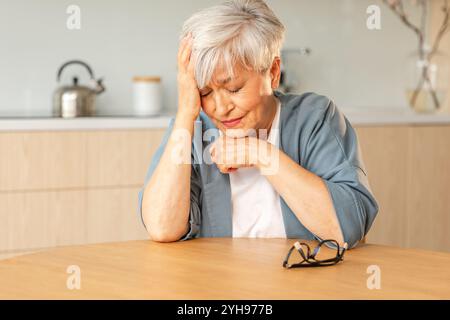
x=356, y=67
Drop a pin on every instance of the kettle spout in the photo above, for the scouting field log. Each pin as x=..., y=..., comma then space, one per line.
x=99, y=88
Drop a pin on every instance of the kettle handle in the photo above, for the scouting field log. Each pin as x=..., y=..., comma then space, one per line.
x=91, y=74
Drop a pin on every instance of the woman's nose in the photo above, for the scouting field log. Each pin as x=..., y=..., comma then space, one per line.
x=223, y=105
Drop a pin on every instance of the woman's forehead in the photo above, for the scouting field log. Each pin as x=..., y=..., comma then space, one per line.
x=221, y=76
x=226, y=79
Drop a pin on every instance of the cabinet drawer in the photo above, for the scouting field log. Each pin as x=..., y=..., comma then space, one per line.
x=116, y=158
x=42, y=160
x=61, y=160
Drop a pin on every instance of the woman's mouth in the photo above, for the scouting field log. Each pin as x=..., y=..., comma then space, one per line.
x=232, y=122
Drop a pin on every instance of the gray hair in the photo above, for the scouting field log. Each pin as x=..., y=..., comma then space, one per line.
x=236, y=31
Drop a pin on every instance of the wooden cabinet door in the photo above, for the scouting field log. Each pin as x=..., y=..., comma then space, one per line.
x=42, y=160
x=385, y=152
x=428, y=204
x=31, y=220
x=66, y=188
x=409, y=172
x=112, y=215
x=120, y=158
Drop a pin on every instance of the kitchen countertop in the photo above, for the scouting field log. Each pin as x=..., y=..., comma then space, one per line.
x=83, y=123
x=380, y=116
x=375, y=117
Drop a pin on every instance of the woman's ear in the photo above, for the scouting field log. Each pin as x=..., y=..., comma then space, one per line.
x=275, y=72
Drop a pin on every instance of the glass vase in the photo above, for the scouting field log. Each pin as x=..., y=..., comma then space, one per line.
x=428, y=81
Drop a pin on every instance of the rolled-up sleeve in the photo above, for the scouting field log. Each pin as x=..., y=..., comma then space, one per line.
x=331, y=151
x=195, y=192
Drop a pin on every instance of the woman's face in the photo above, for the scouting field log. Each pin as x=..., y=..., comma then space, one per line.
x=244, y=102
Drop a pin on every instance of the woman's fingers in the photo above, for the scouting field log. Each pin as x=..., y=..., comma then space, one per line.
x=185, y=53
x=227, y=168
x=190, y=68
x=181, y=52
x=232, y=152
x=189, y=100
x=181, y=49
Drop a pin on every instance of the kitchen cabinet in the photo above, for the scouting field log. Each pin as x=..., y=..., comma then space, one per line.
x=75, y=187
x=65, y=188
x=408, y=168
x=385, y=156
x=429, y=188
x=61, y=160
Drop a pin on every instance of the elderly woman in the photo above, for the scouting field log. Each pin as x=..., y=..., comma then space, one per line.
x=309, y=182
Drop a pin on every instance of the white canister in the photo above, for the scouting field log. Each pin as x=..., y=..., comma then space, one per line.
x=147, y=95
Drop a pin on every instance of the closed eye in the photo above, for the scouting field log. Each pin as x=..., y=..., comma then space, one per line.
x=235, y=91
x=231, y=91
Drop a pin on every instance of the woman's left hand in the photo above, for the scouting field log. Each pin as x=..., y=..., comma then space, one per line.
x=230, y=153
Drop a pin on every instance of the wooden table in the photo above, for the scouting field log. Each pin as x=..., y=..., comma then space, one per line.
x=221, y=268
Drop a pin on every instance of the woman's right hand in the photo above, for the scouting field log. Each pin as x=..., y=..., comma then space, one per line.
x=189, y=101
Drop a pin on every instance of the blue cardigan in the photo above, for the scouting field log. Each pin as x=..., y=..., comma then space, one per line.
x=316, y=135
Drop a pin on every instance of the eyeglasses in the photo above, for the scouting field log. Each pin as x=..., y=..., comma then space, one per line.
x=317, y=258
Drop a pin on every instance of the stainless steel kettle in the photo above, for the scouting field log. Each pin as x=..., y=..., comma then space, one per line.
x=76, y=100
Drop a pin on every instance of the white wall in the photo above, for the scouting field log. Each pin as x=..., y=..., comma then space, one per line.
x=356, y=67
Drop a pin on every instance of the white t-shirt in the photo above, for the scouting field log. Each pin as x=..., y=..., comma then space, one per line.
x=256, y=204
